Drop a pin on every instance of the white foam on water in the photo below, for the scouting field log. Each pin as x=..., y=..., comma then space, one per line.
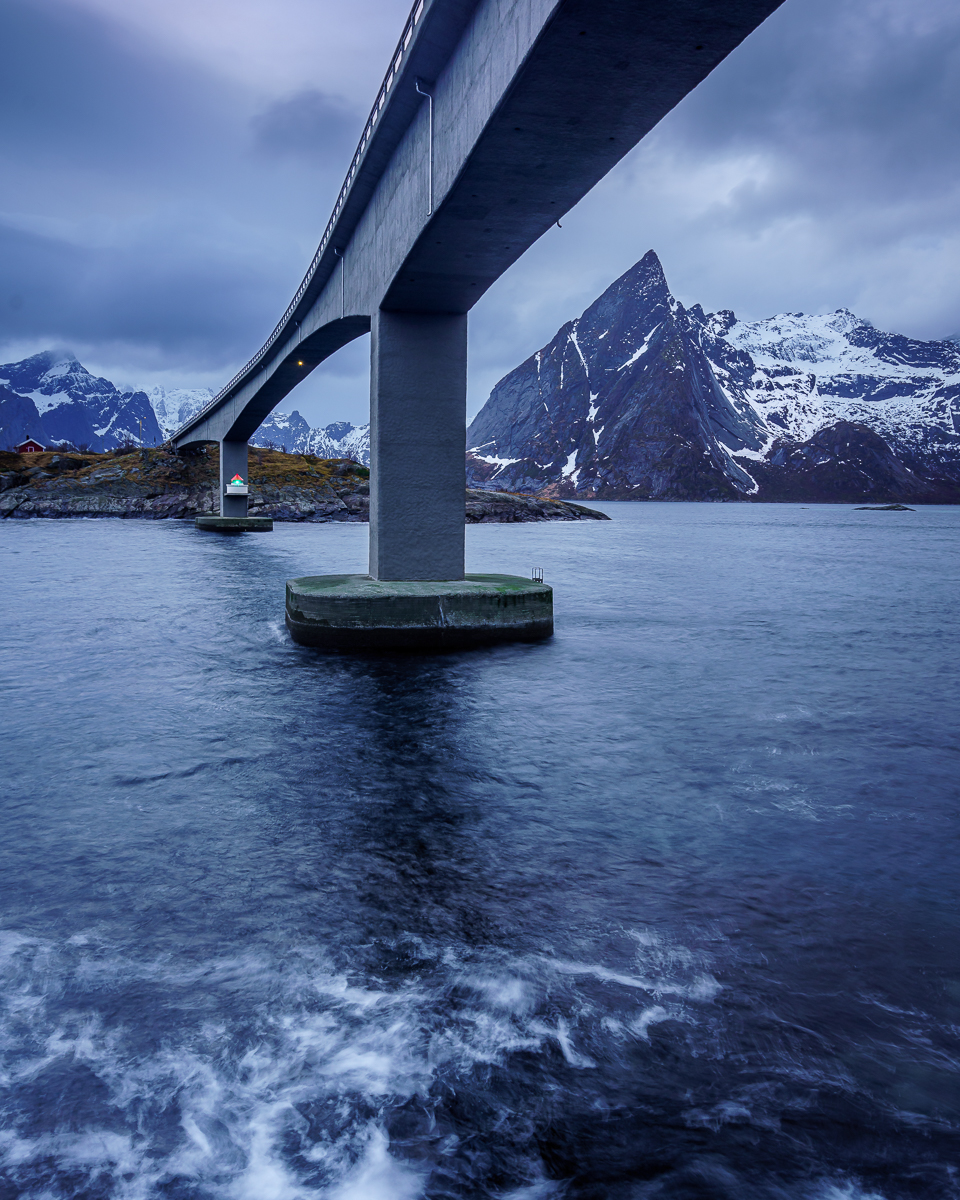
x=340, y=1052
x=705, y=987
x=287, y=1093
x=378, y=1176
x=649, y=1016
x=238, y=1105
x=510, y=993
x=565, y=1041
x=278, y=632
x=847, y=1190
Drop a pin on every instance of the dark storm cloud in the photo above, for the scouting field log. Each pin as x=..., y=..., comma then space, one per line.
x=202, y=298
x=852, y=101
x=120, y=216
x=150, y=202
x=74, y=94
x=310, y=124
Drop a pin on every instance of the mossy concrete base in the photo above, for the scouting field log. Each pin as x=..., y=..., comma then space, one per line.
x=236, y=524
x=355, y=612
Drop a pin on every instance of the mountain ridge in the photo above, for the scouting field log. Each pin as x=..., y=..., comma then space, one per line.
x=638, y=398
x=642, y=398
x=53, y=397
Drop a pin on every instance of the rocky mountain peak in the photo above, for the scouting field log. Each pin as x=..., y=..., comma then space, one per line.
x=53, y=397
x=338, y=430
x=639, y=398
x=31, y=374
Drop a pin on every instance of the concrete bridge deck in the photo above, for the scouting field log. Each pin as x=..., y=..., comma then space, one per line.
x=494, y=119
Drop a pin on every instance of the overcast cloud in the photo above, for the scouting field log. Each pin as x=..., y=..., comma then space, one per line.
x=167, y=167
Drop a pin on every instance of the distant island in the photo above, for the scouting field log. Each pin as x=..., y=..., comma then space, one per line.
x=157, y=483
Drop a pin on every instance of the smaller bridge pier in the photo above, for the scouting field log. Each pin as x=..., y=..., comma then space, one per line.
x=234, y=461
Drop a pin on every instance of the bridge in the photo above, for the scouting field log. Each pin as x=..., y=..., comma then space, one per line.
x=495, y=117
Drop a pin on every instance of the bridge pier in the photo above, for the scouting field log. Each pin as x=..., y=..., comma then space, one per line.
x=418, y=425
x=234, y=459
x=417, y=596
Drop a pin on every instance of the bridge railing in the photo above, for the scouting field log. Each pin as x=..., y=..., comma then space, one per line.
x=395, y=63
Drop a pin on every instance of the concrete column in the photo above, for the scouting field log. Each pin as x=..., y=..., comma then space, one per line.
x=233, y=461
x=418, y=418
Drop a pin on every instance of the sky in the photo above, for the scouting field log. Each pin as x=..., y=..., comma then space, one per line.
x=167, y=168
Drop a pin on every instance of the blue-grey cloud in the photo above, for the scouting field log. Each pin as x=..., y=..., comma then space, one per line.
x=121, y=222
x=848, y=98
x=152, y=206
x=205, y=300
x=310, y=124
x=74, y=94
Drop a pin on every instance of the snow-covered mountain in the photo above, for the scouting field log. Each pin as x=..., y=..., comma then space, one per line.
x=641, y=398
x=55, y=399
x=176, y=406
x=291, y=430
x=279, y=430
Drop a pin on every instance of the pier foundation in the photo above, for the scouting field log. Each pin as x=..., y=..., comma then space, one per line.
x=355, y=612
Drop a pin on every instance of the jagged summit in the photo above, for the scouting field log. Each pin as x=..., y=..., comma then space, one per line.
x=39, y=369
x=642, y=398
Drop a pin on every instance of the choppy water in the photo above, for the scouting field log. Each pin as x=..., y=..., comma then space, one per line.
x=665, y=908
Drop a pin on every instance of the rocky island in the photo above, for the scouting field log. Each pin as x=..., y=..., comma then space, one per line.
x=160, y=484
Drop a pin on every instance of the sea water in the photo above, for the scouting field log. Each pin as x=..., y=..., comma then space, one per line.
x=666, y=907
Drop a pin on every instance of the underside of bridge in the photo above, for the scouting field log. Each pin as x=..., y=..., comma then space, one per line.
x=495, y=118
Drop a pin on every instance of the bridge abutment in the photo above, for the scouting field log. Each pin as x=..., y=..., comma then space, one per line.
x=418, y=421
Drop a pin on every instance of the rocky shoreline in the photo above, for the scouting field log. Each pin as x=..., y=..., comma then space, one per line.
x=156, y=484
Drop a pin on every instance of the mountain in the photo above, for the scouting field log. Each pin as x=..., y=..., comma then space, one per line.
x=175, y=407
x=54, y=398
x=641, y=398
x=291, y=432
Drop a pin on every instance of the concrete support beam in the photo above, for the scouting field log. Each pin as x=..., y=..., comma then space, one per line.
x=418, y=418
x=233, y=461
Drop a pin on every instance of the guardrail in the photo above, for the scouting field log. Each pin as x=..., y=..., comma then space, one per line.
x=395, y=63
